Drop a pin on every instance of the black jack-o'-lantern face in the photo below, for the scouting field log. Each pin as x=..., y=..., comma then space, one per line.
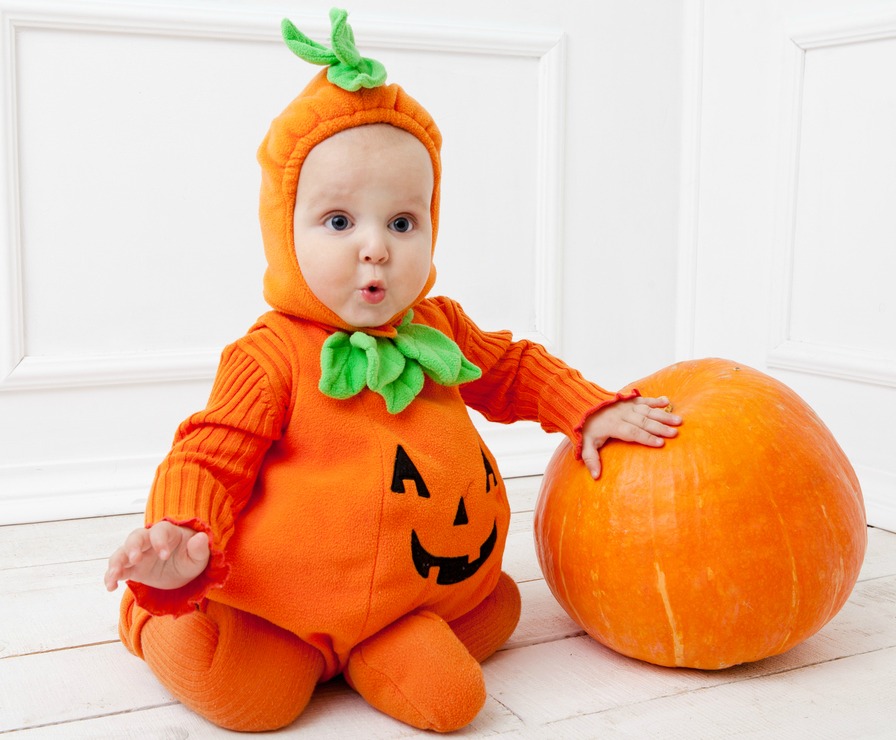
x=451, y=570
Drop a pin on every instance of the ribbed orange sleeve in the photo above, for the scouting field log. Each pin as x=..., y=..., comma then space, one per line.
x=208, y=476
x=521, y=380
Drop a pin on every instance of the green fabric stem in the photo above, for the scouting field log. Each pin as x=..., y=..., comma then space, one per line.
x=348, y=69
x=393, y=368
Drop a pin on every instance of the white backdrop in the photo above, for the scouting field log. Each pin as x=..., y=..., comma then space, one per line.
x=130, y=250
x=630, y=182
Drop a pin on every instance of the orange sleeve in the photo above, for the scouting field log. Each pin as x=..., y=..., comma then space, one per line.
x=209, y=474
x=521, y=380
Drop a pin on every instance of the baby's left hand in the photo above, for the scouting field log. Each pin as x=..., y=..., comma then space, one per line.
x=641, y=420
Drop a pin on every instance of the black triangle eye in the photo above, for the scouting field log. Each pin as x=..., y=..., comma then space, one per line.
x=406, y=470
x=489, y=472
x=461, y=517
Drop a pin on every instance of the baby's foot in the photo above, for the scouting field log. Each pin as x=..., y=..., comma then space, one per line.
x=419, y=672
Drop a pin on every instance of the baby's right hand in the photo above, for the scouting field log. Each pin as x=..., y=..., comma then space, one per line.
x=164, y=556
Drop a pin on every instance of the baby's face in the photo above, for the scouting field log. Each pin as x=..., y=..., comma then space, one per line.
x=363, y=228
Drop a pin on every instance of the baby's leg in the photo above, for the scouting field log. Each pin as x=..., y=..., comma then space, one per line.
x=416, y=670
x=488, y=626
x=233, y=668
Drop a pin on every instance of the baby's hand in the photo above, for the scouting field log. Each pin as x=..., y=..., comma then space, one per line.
x=641, y=420
x=163, y=556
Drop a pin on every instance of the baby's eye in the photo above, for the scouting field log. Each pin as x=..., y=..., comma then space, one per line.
x=402, y=225
x=338, y=222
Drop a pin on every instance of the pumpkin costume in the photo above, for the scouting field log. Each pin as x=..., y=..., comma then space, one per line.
x=356, y=519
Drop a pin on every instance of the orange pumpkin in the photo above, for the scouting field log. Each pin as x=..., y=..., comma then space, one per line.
x=737, y=540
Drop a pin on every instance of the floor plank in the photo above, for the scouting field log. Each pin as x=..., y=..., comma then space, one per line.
x=67, y=685
x=67, y=541
x=51, y=607
x=63, y=673
x=847, y=698
x=880, y=559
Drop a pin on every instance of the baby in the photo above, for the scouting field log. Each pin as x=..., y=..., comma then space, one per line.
x=333, y=509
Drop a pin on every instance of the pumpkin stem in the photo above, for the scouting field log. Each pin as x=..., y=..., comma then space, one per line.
x=347, y=68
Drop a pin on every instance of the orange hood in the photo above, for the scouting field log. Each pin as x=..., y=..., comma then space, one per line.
x=320, y=111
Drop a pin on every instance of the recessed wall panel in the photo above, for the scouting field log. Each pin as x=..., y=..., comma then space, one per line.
x=139, y=185
x=138, y=189
x=844, y=250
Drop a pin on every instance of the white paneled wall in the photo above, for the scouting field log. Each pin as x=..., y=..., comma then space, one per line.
x=130, y=252
x=624, y=182
x=790, y=262
x=835, y=314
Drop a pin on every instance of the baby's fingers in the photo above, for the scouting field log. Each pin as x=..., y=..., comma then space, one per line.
x=657, y=420
x=115, y=569
x=643, y=435
x=657, y=410
x=591, y=459
x=137, y=543
x=197, y=548
x=166, y=538
x=656, y=403
x=126, y=557
x=662, y=424
x=652, y=428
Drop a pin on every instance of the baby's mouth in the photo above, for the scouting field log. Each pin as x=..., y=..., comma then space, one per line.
x=373, y=293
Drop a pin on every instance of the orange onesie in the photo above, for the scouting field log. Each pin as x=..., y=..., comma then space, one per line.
x=344, y=538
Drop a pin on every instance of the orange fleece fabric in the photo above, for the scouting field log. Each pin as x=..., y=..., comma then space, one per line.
x=320, y=111
x=333, y=518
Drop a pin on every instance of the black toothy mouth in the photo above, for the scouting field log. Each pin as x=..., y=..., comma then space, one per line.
x=451, y=570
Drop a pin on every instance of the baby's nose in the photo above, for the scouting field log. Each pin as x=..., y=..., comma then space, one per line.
x=374, y=249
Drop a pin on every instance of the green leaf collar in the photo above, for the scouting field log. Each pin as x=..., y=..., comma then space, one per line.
x=348, y=69
x=393, y=368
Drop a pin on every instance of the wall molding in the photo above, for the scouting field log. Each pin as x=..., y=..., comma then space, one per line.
x=843, y=363
x=39, y=492
x=34, y=373
x=852, y=31
x=75, y=489
x=689, y=188
x=549, y=193
x=785, y=351
x=18, y=371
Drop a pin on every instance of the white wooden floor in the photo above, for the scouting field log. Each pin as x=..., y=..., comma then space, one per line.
x=63, y=673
